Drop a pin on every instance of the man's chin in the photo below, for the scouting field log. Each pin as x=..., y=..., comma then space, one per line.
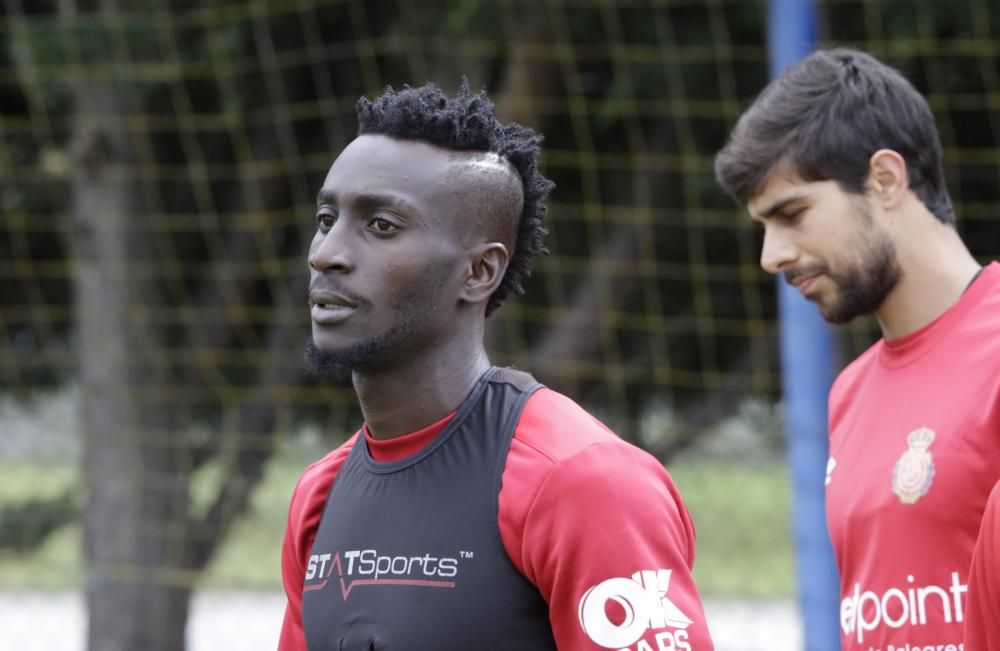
x=336, y=366
x=837, y=317
x=840, y=312
x=374, y=355
x=858, y=300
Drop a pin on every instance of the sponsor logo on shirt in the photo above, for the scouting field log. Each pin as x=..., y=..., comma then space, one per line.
x=913, y=473
x=642, y=598
x=367, y=567
x=864, y=612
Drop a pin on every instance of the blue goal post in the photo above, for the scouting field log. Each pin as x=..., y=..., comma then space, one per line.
x=807, y=368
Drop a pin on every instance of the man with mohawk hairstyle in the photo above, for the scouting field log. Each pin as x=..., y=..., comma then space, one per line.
x=475, y=508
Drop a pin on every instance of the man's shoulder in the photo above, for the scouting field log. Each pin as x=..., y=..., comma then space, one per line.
x=558, y=437
x=557, y=428
x=561, y=452
x=319, y=475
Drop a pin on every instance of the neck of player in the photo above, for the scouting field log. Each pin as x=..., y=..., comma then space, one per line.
x=419, y=389
x=936, y=270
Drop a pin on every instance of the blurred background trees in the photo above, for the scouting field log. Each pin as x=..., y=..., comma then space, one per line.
x=159, y=165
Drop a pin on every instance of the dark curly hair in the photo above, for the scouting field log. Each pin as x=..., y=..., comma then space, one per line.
x=468, y=122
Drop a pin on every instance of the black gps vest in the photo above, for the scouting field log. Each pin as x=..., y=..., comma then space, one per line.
x=408, y=555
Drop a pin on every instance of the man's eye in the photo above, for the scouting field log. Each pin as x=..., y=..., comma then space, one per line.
x=325, y=221
x=383, y=226
x=792, y=216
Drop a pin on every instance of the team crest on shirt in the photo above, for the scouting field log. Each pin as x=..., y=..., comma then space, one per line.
x=913, y=473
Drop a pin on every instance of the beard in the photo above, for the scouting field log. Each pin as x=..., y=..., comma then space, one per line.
x=864, y=289
x=384, y=349
x=339, y=365
x=863, y=284
x=409, y=334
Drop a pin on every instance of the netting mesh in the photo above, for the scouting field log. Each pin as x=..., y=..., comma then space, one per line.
x=158, y=168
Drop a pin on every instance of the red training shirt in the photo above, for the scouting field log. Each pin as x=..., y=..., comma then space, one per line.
x=982, y=615
x=914, y=452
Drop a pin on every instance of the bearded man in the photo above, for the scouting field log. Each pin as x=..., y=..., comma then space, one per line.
x=839, y=160
x=475, y=508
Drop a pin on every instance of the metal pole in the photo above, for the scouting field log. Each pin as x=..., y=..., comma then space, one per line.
x=807, y=365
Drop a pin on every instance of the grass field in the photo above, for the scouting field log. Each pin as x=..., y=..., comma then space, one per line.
x=741, y=513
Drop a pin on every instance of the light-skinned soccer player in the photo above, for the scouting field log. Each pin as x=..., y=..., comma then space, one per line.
x=839, y=161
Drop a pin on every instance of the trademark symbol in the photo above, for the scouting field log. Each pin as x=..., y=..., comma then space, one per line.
x=464, y=554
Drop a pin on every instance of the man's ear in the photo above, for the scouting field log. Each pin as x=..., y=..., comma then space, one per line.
x=887, y=179
x=487, y=265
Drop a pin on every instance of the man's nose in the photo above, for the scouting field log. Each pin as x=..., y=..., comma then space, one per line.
x=330, y=251
x=778, y=251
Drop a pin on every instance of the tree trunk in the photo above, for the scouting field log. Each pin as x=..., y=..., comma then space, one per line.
x=137, y=589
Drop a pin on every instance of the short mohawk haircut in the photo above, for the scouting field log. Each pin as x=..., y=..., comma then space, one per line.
x=468, y=122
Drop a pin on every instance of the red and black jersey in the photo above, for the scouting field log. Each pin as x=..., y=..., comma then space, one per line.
x=595, y=527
